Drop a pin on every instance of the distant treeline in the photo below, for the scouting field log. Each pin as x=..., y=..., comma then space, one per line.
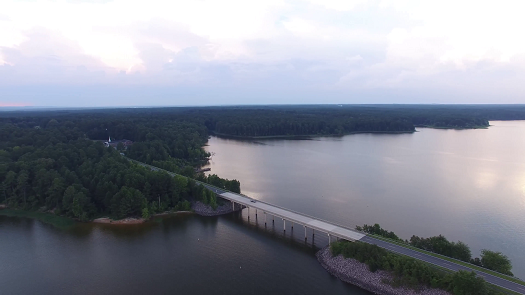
x=345, y=119
x=410, y=272
x=260, y=121
x=495, y=261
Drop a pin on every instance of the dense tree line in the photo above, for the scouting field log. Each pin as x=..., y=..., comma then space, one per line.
x=346, y=119
x=153, y=126
x=441, y=245
x=411, y=272
x=377, y=230
x=231, y=185
x=489, y=259
x=52, y=164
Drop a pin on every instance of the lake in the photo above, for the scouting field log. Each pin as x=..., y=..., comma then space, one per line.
x=182, y=254
x=468, y=185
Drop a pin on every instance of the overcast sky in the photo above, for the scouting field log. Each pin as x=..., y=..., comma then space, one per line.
x=199, y=52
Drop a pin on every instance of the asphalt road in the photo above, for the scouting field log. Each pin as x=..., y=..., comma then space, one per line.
x=444, y=263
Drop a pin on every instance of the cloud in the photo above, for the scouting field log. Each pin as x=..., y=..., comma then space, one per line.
x=379, y=50
x=47, y=57
x=340, y=5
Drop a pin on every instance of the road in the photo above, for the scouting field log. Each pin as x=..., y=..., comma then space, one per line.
x=444, y=263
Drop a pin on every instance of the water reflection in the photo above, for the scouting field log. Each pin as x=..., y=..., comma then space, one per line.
x=465, y=184
x=183, y=254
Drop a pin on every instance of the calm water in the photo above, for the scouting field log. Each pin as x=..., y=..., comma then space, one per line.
x=468, y=185
x=185, y=254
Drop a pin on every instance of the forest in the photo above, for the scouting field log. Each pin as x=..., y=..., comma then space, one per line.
x=290, y=121
x=55, y=160
x=60, y=164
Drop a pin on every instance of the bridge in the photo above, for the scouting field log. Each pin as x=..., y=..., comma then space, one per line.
x=294, y=218
x=337, y=231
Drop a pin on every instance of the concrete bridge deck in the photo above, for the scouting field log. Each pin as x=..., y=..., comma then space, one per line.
x=331, y=229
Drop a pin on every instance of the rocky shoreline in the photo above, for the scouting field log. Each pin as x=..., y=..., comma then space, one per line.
x=206, y=210
x=356, y=273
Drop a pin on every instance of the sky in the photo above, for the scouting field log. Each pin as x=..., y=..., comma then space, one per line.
x=97, y=53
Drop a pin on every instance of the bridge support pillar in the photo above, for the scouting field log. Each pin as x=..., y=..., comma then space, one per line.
x=264, y=218
x=284, y=225
x=233, y=206
x=305, y=233
x=329, y=240
x=248, y=213
x=255, y=213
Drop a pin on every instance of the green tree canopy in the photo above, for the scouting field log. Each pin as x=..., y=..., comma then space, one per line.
x=496, y=261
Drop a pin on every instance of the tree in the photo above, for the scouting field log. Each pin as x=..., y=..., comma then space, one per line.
x=496, y=261
x=52, y=123
x=145, y=213
x=3, y=192
x=55, y=192
x=468, y=283
x=212, y=200
x=23, y=177
x=78, y=207
x=67, y=200
x=10, y=183
x=127, y=202
x=461, y=251
x=205, y=197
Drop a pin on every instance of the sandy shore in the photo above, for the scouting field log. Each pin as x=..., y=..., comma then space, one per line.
x=130, y=220
x=357, y=273
x=107, y=220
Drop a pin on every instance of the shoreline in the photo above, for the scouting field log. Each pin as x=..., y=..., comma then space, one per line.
x=358, y=274
x=133, y=220
x=62, y=221
x=310, y=136
x=453, y=128
x=51, y=218
x=45, y=217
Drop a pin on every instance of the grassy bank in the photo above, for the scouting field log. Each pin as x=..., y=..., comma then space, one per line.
x=466, y=264
x=57, y=221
